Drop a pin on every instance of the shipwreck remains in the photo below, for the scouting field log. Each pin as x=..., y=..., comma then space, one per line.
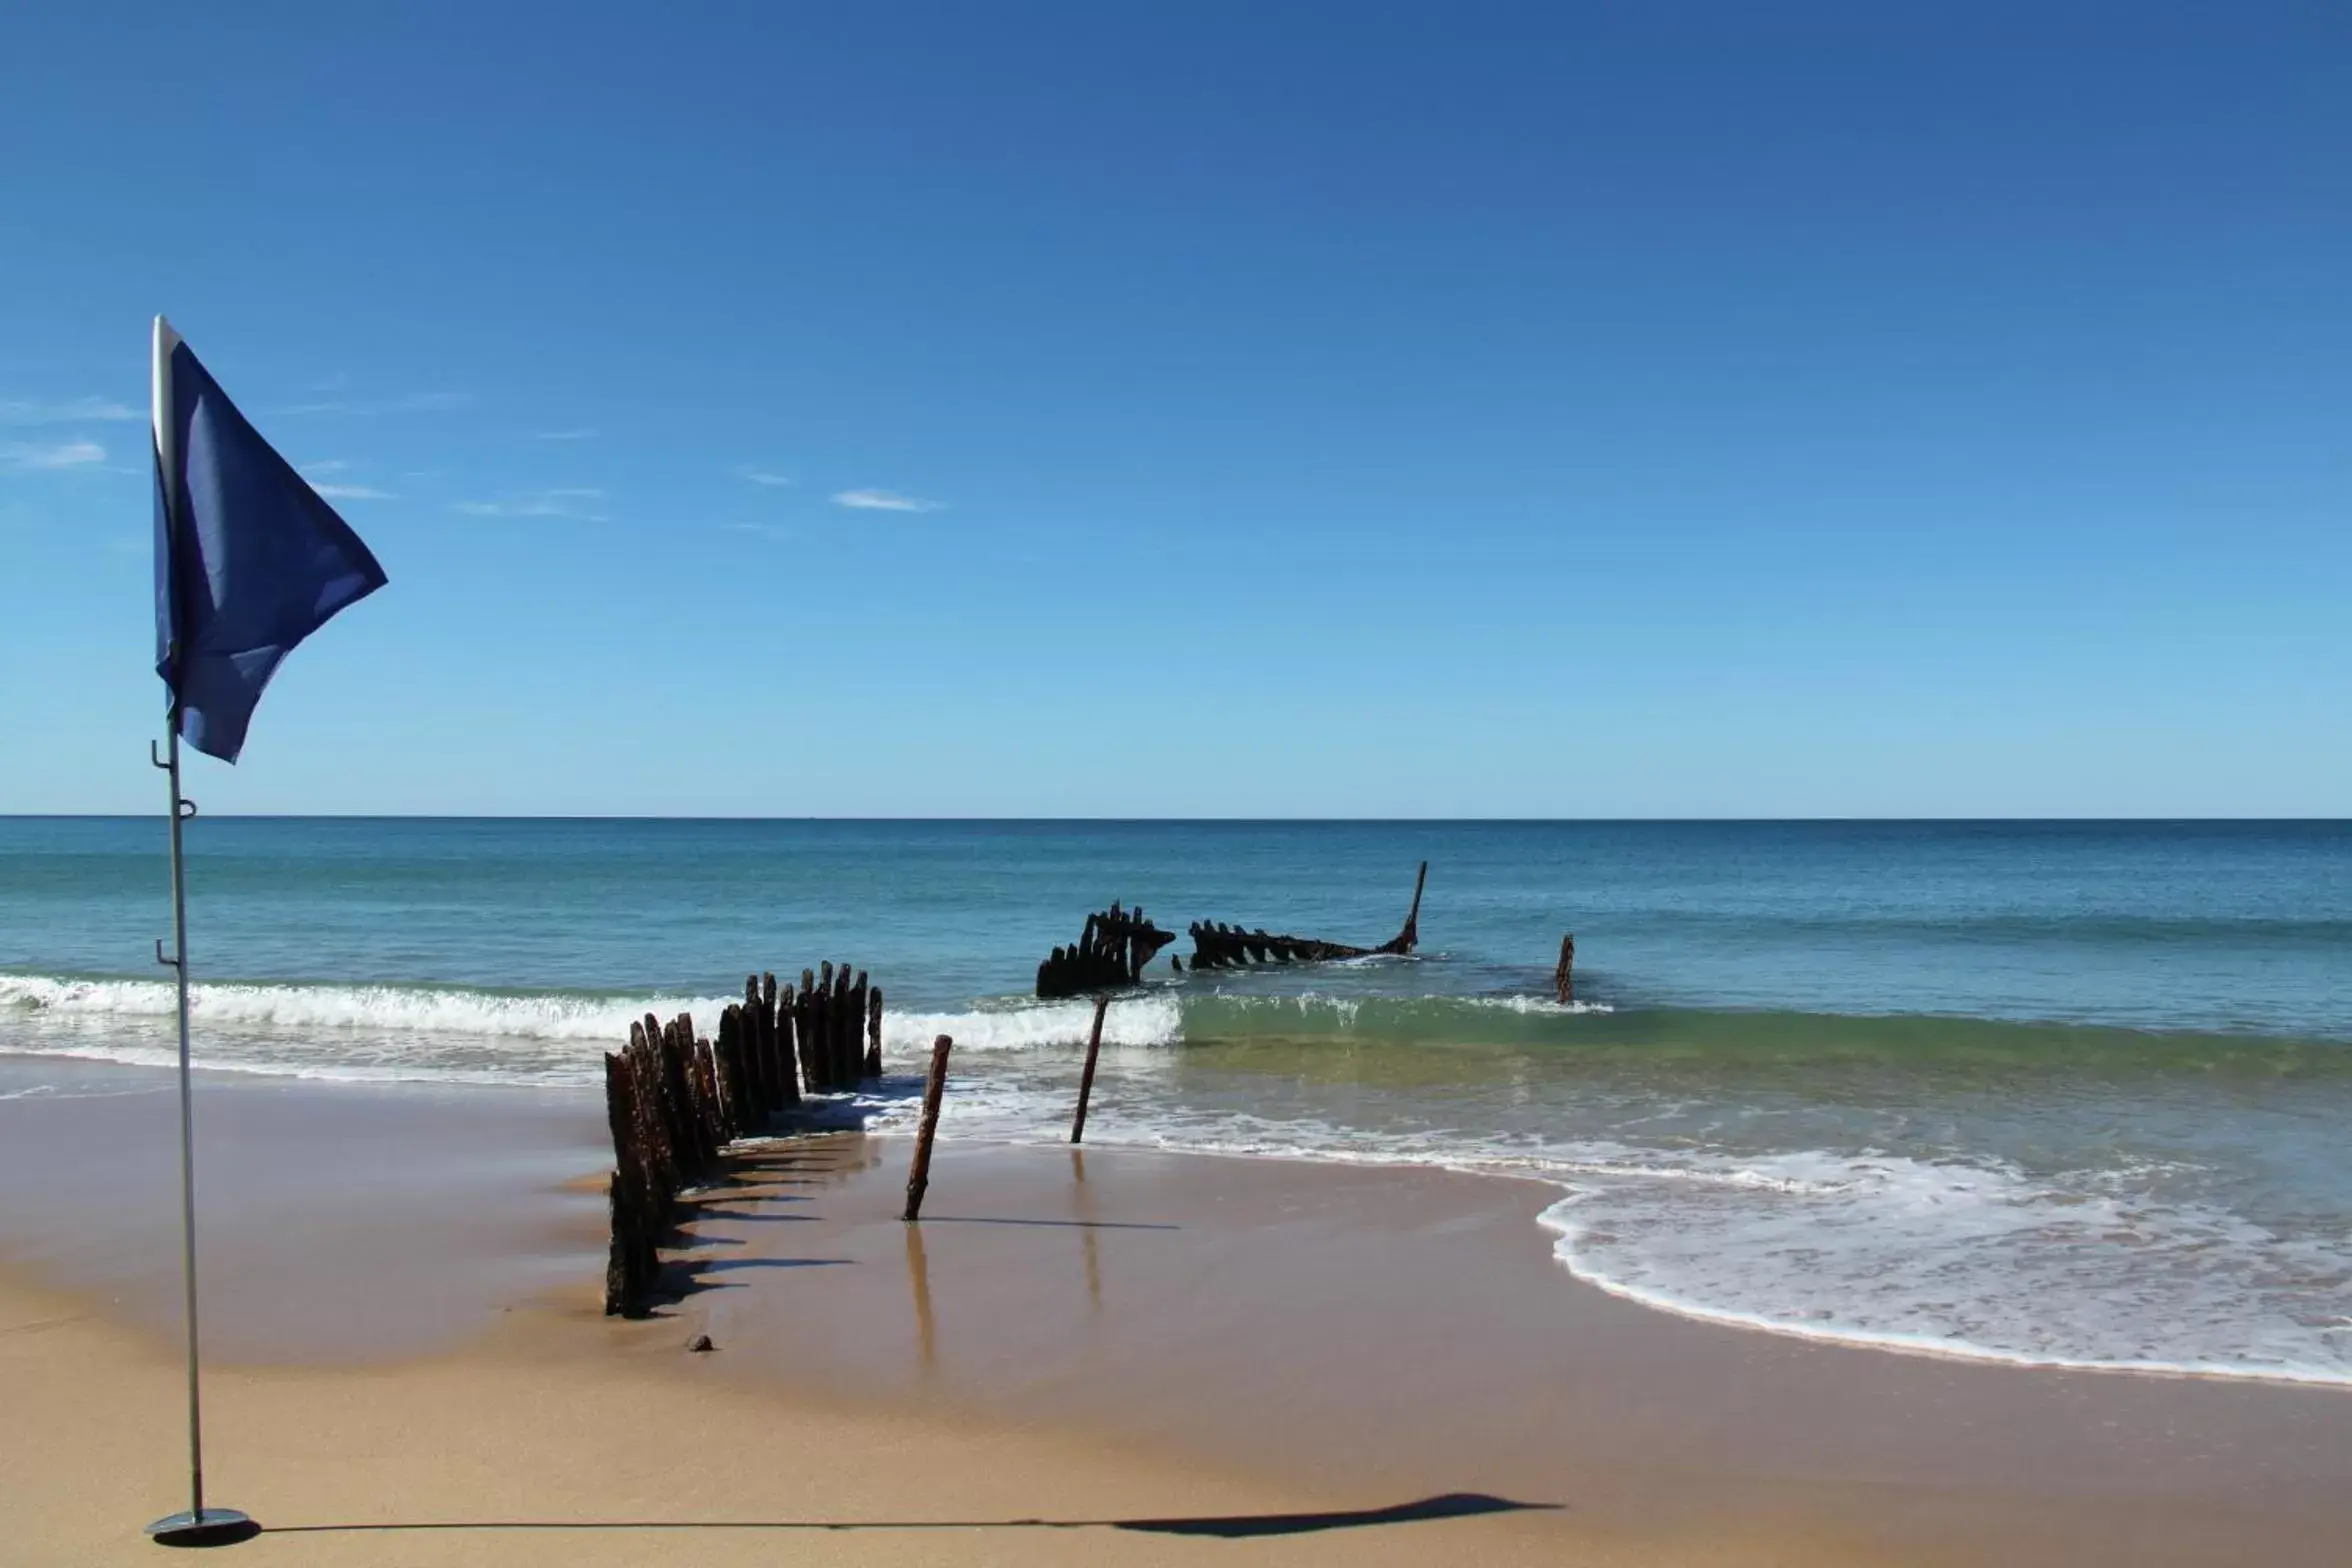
x=1110, y=954
x=674, y=1102
x=1218, y=946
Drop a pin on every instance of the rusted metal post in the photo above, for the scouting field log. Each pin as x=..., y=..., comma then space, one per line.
x=919, y=1178
x=1564, y=977
x=1102, y=1005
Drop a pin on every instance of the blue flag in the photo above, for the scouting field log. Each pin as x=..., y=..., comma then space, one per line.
x=248, y=559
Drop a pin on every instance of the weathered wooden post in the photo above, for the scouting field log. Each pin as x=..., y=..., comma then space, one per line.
x=1564, y=977
x=755, y=1050
x=804, y=1028
x=874, y=1033
x=638, y=1195
x=618, y=1296
x=829, y=1033
x=1102, y=1005
x=847, y=1013
x=679, y=1097
x=729, y=1050
x=620, y=1268
x=856, y=1027
x=934, y=1089
x=785, y=1085
x=783, y=1072
x=657, y=1134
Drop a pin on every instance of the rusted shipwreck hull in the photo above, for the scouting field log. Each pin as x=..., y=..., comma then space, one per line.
x=1109, y=955
x=1218, y=946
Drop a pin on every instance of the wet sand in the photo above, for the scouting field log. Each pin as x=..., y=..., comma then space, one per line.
x=338, y=1222
x=400, y=1296
x=1332, y=1324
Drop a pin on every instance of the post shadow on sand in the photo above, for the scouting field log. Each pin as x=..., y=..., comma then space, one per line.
x=728, y=1265
x=993, y=1219
x=1229, y=1527
x=691, y=1276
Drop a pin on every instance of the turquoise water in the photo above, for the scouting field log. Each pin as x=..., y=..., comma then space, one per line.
x=2047, y=1091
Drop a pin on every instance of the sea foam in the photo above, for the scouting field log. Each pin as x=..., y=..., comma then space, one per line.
x=376, y=1033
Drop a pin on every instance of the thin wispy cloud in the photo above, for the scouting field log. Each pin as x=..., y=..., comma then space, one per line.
x=764, y=530
x=411, y=403
x=73, y=411
x=51, y=454
x=584, y=433
x=562, y=501
x=340, y=490
x=762, y=476
x=882, y=501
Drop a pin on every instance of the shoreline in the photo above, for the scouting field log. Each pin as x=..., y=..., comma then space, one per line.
x=572, y=1105
x=1316, y=1330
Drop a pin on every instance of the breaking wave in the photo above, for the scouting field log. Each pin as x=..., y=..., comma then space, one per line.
x=373, y=1033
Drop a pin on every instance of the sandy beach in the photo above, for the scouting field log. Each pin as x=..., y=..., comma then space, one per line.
x=1157, y=1355
x=1639, y=707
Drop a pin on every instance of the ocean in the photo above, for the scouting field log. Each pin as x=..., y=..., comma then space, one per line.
x=2058, y=1093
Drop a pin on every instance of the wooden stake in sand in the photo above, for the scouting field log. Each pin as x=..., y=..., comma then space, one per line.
x=919, y=1178
x=1564, y=977
x=1102, y=1005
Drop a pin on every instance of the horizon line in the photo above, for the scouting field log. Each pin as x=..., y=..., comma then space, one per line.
x=1365, y=821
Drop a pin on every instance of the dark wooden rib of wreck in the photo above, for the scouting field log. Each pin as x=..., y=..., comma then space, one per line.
x=1218, y=946
x=1108, y=956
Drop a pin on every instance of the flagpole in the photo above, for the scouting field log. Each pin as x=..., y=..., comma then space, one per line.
x=199, y=1526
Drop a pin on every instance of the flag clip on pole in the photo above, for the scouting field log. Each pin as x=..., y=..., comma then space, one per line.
x=199, y=1526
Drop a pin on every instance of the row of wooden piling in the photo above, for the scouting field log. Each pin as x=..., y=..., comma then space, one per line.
x=669, y=1119
x=674, y=1101
x=821, y=1039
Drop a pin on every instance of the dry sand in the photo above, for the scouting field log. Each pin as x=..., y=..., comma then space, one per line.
x=1242, y=1360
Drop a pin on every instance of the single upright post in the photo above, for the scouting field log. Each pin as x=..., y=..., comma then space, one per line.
x=755, y=1049
x=1564, y=977
x=934, y=1089
x=199, y=1526
x=1102, y=1004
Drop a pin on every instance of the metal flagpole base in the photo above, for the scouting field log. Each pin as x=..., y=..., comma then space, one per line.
x=213, y=1527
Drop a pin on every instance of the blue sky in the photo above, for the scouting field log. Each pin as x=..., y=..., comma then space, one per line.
x=1564, y=410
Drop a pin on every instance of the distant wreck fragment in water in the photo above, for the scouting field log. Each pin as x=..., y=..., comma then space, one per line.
x=1111, y=954
x=1216, y=946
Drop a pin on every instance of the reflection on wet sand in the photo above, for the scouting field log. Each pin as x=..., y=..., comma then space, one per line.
x=919, y=1273
x=1083, y=1202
